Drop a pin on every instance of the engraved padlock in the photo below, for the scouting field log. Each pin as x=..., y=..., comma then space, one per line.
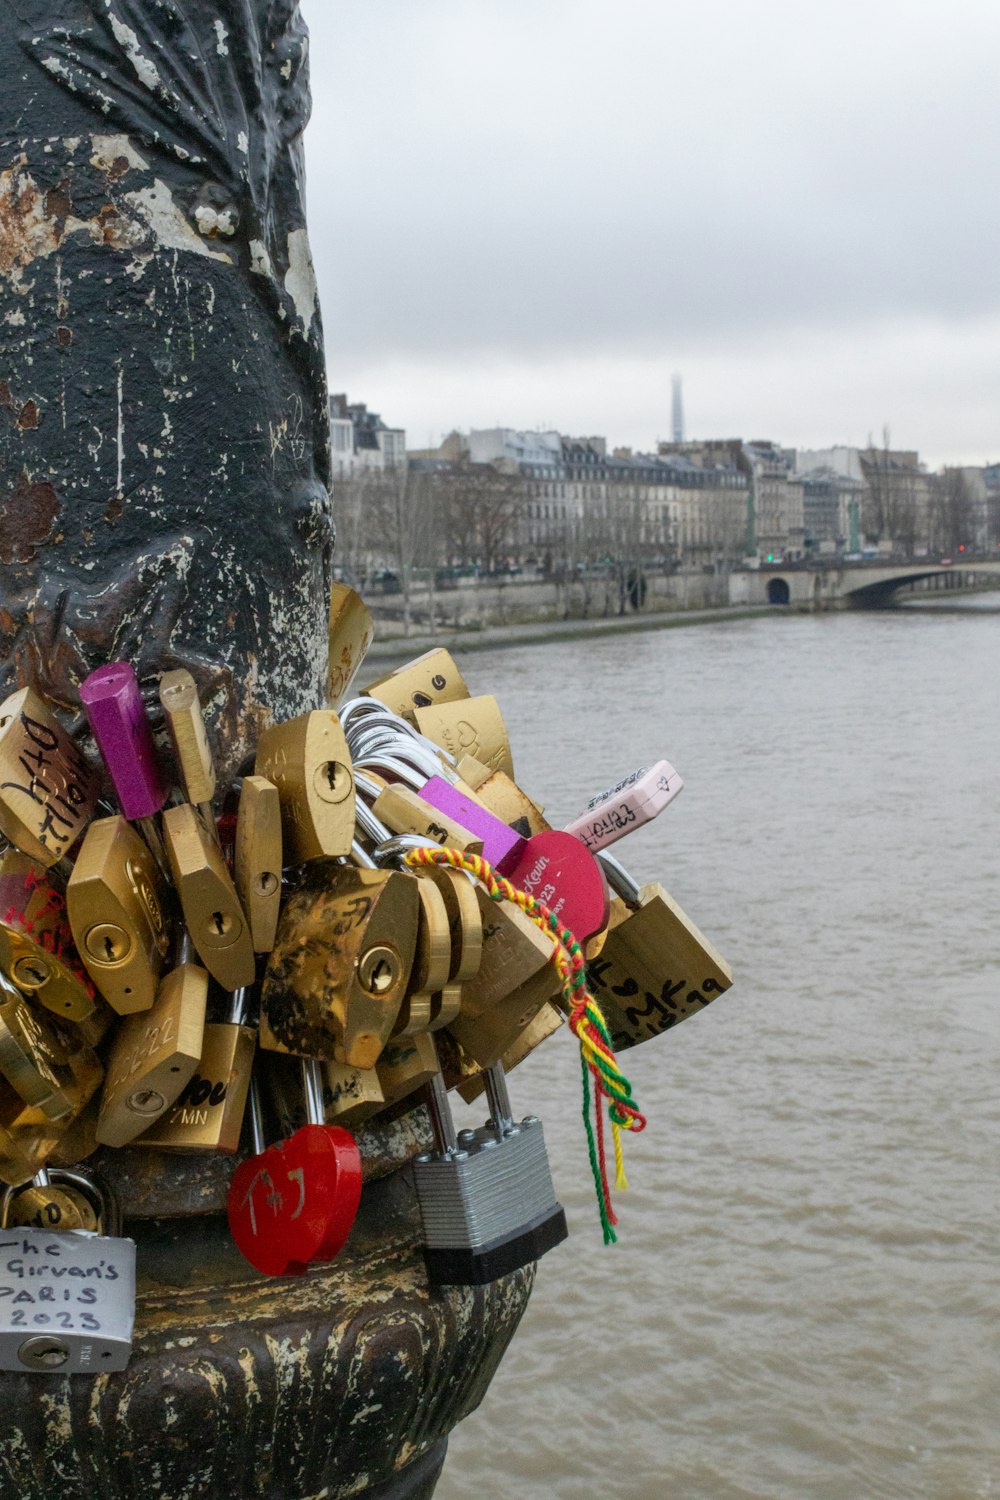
x=118, y=905
x=545, y=1023
x=47, y=790
x=486, y=1198
x=155, y=1053
x=67, y=1298
x=631, y=802
x=473, y=726
x=351, y=629
x=36, y=944
x=497, y=791
x=213, y=914
x=516, y=978
x=49, y=1201
x=656, y=968
x=431, y=678
x=208, y=1114
x=258, y=859
x=294, y=1204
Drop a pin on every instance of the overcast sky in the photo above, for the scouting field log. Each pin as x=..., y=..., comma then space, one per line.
x=531, y=212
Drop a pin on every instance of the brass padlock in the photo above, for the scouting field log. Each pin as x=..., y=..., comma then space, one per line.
x=656, y=968
x=431, y=678
x=503, y=797
x=208, y=1114
x=47, y=790
x=544, y=1024
x=258, y=859
x=310, y=764
x=466, y=928
x=431, y=963
x=404, y=811
x=473, y=727
x=336, y=978
x=179, y=699
x=349, y=1095
x=48, y=1202
x=36, y=945
x=51, y=1070
x=117, y=903
x=351, y=629
x=406, y=1064
x=154, y=1054
x=215, y=920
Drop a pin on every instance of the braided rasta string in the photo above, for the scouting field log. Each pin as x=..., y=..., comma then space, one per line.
x=597, y=1058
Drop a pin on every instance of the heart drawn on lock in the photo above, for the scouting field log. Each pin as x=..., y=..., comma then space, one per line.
x=295, y=1203
x=560, y=871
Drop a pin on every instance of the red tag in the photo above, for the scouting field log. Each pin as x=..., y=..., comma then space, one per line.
x=295, y=1203
x=560, y=871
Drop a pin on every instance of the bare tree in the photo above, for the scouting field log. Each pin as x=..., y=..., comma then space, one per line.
x=951, y=513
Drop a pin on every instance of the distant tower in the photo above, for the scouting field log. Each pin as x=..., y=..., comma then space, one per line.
x=677, y=410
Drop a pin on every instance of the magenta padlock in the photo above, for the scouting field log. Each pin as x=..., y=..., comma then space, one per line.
x=636, y=800
x=502, y=846
x=117, y=715
x=560, y=871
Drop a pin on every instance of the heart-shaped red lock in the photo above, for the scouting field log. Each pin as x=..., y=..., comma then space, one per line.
x=560, y=871
x=295, y=1203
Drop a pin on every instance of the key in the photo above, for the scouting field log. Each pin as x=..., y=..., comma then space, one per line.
x=473, y=727
x=310, y=764
x=656, y=968
x=67, y=1300
x=335, y=981
x=120, y=725
x=117, y=903
x=486, y=1198
x=154, y=1054
x=48, y=792
x=431, y=678
x=208, y=1114
x=294, y=1204
x=350, y=634
x=632, y=802
x=214, y=918
x=258, y=859
x=36, y=945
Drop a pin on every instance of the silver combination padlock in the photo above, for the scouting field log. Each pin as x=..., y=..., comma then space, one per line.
x=67, y=1298
x=486, y=1197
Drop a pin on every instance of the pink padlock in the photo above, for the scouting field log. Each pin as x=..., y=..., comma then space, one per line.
x=636, y=800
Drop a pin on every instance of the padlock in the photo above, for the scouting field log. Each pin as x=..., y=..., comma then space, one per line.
x=503, y=797
x=294, y=1204
x=474, y=727
x=343, y=954
x=215, y=920
x=350, y=1095
x=51, y=1070
x=67, y=1300
x=48, y=792
x=117, y=903
x=49, y=1202
x=557, y=870
x=503, y=848
x=406, y=811
x=258, y=859
x=544, y=1024
x=656, y=968
x=635, y=800
x=486, y=1198
x=310, y=764
x=182, y=709
x=406, y=1064
x=120, y=725
x=208, y=1114
x=351, y=629
x=431, y=678
x=155, y=1053
x=36, y=945
x=516, y=978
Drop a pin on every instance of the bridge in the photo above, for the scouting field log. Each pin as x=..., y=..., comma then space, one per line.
x=861, y=585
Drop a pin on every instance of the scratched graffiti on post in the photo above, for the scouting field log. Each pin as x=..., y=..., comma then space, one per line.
x=164, y=467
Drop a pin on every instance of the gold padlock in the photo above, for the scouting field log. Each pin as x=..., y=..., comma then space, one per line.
x=336, y=978
x=406, y=1064
x=117, y=904
x=215, y=920
x=351, y=630
x=655, y=969
x=431, y=678
x=431, y=962
x=310, y=764
x=473, y=727
x=258, y=859
x=51, y=1070
x=208, y=1114
x=465, y=924
x=513, y=951
x=47, y=790
x=36, y=945
x=154, y=1055
x=179, y=699
x=47, y=1203
x=504, y=798
x=544, y=1024
x=405, y=811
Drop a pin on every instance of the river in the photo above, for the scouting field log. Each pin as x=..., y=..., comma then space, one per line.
x=803, y=1304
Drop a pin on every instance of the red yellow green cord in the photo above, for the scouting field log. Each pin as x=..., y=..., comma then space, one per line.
x=597, y=1058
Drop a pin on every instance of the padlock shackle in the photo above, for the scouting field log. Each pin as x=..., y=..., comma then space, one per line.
x=619, y=879
x=501, y=1110
x=393, y=849
x=312, y=1089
